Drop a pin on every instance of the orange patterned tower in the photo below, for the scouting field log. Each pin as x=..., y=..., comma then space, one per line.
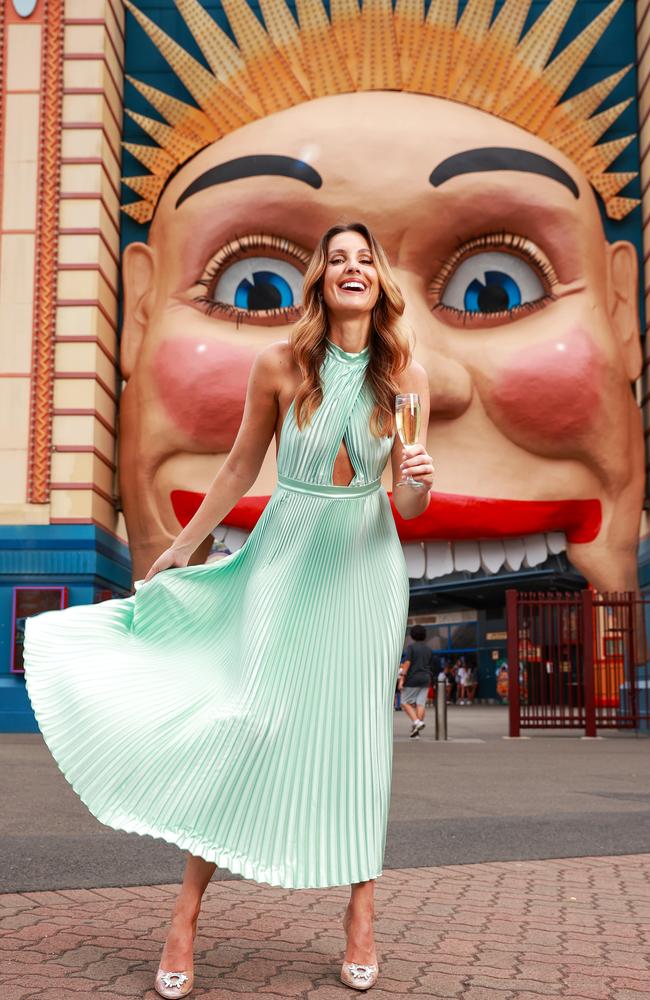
x=61, y=81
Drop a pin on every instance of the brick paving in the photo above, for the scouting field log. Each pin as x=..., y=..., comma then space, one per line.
x=511, y=930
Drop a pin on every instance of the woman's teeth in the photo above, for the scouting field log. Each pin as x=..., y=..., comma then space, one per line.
x=353, y=286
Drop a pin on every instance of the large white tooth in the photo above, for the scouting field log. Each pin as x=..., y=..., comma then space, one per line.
x=415, y=562
x=556, y=541
x=440, y=559
x=467, y=556
x=215, y=554
x=220, y=532
x=235, y=538
x=492, y=554
x=536, y=551
x=515, y=552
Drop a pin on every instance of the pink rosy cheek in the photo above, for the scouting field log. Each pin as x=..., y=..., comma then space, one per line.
x=202, y=386
x=554, y=388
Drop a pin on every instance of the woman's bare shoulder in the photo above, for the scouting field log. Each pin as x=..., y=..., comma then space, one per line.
x=275, y=361
x=277, y=355
x=277, y=366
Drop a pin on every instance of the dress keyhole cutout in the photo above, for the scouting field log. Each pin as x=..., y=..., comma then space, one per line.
x=343, y=466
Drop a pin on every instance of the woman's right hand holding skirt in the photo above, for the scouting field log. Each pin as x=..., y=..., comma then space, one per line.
x=174, y=556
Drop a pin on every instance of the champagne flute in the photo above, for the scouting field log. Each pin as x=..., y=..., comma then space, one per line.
x=407, y=418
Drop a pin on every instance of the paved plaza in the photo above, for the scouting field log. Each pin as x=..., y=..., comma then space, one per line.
x=514, y=870
x=512, y=930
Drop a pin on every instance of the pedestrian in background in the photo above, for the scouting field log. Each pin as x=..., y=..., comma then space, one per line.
x=471, y=683
x=451, y=683
x=414, y=684
x=461, y=680
x=398, y=691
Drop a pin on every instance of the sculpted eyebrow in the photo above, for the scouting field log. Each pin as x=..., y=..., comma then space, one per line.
x=253, y=166
x=501, y=158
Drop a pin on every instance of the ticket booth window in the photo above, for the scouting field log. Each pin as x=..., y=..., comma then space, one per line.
x=31, y=601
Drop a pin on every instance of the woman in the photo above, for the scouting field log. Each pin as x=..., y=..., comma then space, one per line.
x=212, y=744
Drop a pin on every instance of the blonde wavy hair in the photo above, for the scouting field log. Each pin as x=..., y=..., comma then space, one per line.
x=390, y=352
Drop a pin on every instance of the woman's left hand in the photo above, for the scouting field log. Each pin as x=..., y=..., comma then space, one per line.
x=417, y=463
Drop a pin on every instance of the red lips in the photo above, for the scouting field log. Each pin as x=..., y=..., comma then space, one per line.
x=449, y=516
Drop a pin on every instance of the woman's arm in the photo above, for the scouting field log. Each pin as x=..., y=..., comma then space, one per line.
x=241, y=467
x=413, y=460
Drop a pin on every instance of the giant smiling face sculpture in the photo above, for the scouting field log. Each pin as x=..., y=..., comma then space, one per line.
x=523, y=315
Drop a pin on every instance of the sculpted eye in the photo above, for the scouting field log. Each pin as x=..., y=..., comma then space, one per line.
x=493, y=278
x=255, y=279
x=259, y=283
x=492, y=282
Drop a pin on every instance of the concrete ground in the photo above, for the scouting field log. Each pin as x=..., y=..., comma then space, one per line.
x=514, y=869
x=476, y=797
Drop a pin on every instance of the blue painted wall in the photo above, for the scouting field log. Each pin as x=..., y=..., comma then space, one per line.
x=82, y=557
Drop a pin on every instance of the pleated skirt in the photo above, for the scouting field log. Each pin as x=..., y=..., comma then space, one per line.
x=242, y=709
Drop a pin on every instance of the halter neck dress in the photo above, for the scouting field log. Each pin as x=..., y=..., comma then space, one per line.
x=243, y=709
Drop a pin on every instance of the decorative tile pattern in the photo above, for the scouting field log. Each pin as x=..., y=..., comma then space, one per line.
x=577, y=929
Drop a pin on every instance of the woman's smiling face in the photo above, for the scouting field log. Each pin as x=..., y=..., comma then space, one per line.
x=350, y=284
x=523, y=316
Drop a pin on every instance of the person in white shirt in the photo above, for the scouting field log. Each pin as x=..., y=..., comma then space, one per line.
x=461, y=679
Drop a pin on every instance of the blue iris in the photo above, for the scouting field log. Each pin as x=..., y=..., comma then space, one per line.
x=498, y=292
x=266, y=291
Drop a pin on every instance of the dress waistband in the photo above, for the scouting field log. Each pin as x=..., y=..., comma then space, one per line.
x=329, y=489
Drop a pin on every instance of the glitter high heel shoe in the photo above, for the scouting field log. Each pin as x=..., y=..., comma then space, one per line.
x=359, y=977
x=175, y=984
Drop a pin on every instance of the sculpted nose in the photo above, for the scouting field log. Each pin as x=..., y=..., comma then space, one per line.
x=450, y=384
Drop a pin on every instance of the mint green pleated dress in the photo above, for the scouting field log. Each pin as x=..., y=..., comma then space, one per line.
x=243, y=709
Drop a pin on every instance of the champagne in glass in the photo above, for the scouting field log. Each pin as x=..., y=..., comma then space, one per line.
x=407, y=418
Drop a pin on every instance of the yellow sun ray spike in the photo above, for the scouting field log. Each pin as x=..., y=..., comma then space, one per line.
x=483, y=84
x=578, y=108
x=469, y=37
x=574, y=144
x=379, y=67
x=533, y=51
x=275, y=84
x=346, y=22
x=186, y=120
x=536, y=103
x=156, y=160
x=180, y=146
x=148, y=186
x=328, y=71
x=408, y=15
x=141, y=211
x=285, y=35
x=608, y=185
x=618, y=208
x=432, y=59
x=367, y=45
x=221, y=105
x=598, y=158
x=223, y=57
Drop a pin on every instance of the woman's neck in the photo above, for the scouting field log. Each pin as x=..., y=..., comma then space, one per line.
x=351, y=333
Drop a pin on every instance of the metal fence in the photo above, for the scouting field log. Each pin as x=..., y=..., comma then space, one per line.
x=582, y=661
